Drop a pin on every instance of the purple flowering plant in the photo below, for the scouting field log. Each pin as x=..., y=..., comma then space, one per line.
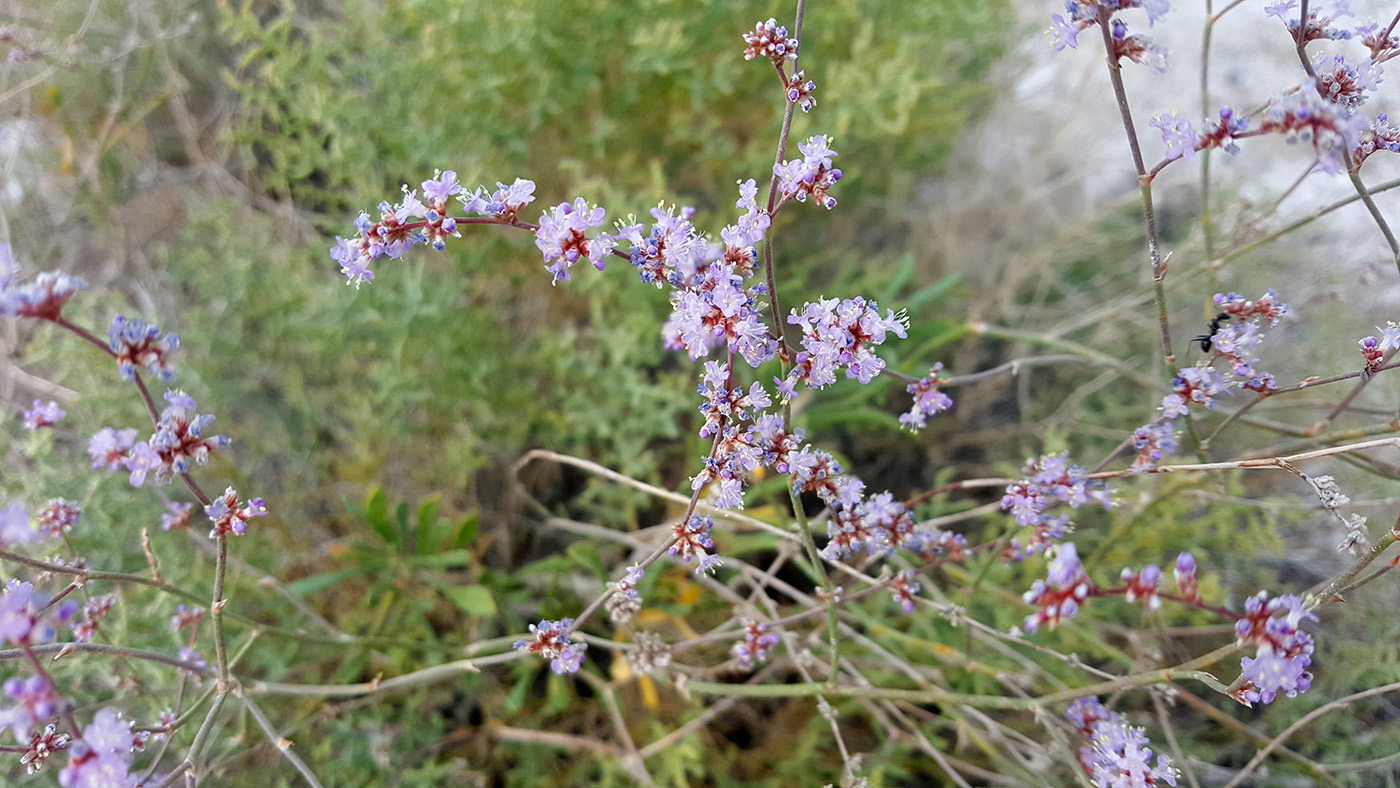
x=925, y=554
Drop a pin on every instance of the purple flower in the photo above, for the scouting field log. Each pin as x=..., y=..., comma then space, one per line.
x=142, y=460
x=176, y=516
x=43, y=415
x=15, y=528
x=229, y=517
x=1154, y=441
x=19, y=621
x=1177, y=134
x=43, y=298
x=561, y=237
x=904, y=588
x=1143, y=585
x=504, y=203
x=841, y=334
x=102, y=757
x=799, y=91
x=1114, y=753
x=1065, y=34
x=58, y=517
x=550, y=639
x=928, y=400
x=108, y=448
x=811, y=175
x=753, y=648
x=1284, y=649
x=133, y=343
x=441, y=187
x=692, y=540
x=770, y=40
x=1060, y=595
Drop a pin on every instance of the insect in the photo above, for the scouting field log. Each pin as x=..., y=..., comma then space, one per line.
x=1215, y=325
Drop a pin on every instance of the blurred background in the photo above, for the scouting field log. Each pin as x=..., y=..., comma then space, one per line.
x=193, y=162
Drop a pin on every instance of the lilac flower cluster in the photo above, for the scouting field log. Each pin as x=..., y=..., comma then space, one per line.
x=1142, y=585
x=837, y=335
x=928, y=400
x=503, y=204
x=755, y=646
x=692, y=540
x=1115, y=754
x=1346, y=84
x=1061, y=593
x=58, y=517
x=626, y=601
x=1081, y=14
x=94, y=610
x=34, y=704
x=1321, y=15
x=904, y=588
x=1153, y=441
x=770, y=40
x=231, y=518
x=811, y=176
x=102, y=757
x=671, y=251
x=1183, y=141
x=21, y=619
x=1303, y=115
x=43, y=414
x=715, y=308
x=1050, y=481
x=561, y=237
x=1284, y=649
x=876, y=524
x=178, y=440
x=550, y=639
x=42, y=298
x=135, y=344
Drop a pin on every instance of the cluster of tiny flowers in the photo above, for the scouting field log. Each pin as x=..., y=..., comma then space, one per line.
x=1115, y=754
x=34, y=702
x=550, y=639
x=43, y=414
x=1050, y=481
x=1380, y=135
x=671, y=252
x=739, y=449
x=799, y=91
x=135, y=344
x=1346, y=84
x=108, y=448
x=692, y=540
x=815, y=471
x=770, y=40
x=625, y=600
x=904, y=588
x=754, y=647
x=937, y=542
x=741, y=238
x=58, y=517
x=651, y=655
x=837, y=335
x=102, y=757
x=1183, y=141
x=1374, y=349
x=876, y=525
x=1153, y=441
x=928, y=399
x=42, y=298
x=1143, y=585
x=15, y=528
x=178, y=440
x=1060, y=595
x=230, y=518
x=1379, y=40
x=810, y=176
x=503, y=204
x=715, y=308
x=1284, y=649
x=561, y=237
x=41, y=745
x=1333, y=499
x=1138, y=48
x=1320, y=18
x=176, y=516
x=1303, y=115
x=94, y=610
x=1080, y=14
x=20, y=621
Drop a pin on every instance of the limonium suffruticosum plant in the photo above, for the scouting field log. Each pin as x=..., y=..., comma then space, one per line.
x=858, y=542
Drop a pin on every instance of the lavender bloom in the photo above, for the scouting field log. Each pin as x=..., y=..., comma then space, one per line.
x=1177, y=135
x=19, y=620
x=1153, y=442
x=550, y=639
x=136, y=344
x=108, y=448
x=43, y=414
x=43, y=298
x=692, y=540
x=229, y=517
x=812, y=175
x=841, y=334
x=1284, y=649
x=770, y=40
x=102, y=757
x=928, y=400
x=1060, y=595
x=755, y=645
x=15, y=528
x=58, y=517
x=561, y=237
x=1115, y=754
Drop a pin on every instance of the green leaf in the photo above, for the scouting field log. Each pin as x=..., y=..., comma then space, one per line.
x=430, y=535
x=586, y=554
x=450, y=558
x=401, y=518
x=474, y=600
x=377, y=515
x=314, y=583
x=467, y=530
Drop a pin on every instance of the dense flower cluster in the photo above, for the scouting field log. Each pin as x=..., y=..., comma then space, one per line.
x=135, y=344
x=1321, y=15
x=34, y=703
x=671, y=251
x=754, y=647
x=561, y=237
x=550, y=639
x=42, y=298
x=1303, y=115
x=178, y=441
x=231, y=518
x=21, y=619
x=625, y=600
x=770, y=40
x=1152, y=442
x=58, y=517
x=43, y=414
x=1115, y=754
x=1284, y=649
x=928, y=400
x=1081, y=14
x=1374, y=349
x=810, y=176
x=692, y=540
x=875, y=524
x=1060, y=595
x=1345, y=83
x=504, y=203
x=1142, y=585
x=102, y=757
x=715, y=308
x=837, y=335
x=1183, y=141
x=1050, y=481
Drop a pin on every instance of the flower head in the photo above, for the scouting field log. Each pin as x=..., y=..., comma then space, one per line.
x=42, y=298
x=770, y=40
x=811, y=176
x=135, y=344
x=231, y=518
x=928, y=399
x=561, y=237
x=43, y=414
x=550, y=639
x=753, y=648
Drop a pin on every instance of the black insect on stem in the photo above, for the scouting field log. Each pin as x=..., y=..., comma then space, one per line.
x=1215, y=325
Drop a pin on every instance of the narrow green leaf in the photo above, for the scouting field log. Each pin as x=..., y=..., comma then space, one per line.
x=474, y=600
